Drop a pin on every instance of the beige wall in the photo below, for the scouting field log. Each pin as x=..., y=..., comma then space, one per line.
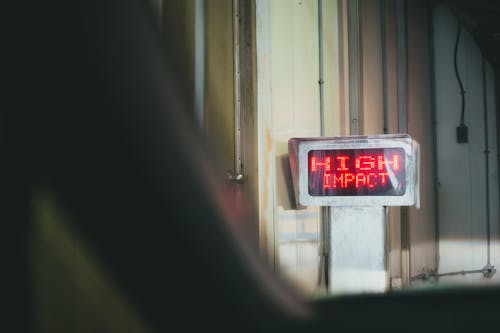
x=371, y=69
x=289, y=106
x=288, y=102
x=295, y=112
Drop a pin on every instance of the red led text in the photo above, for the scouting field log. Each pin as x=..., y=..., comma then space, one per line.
x=363, y=171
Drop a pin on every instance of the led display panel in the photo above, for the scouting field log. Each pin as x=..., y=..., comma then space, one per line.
x=356, y=172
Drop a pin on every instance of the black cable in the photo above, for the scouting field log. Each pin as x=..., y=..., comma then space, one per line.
x=462, y=91
x=462, y=130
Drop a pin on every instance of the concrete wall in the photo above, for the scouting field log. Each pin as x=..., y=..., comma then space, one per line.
x=461, y=167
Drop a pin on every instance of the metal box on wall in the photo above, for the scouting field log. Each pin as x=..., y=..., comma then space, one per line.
x=378, y=170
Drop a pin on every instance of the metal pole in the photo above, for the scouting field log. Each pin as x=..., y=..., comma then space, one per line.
x=434, y=138
x=401, y=64
x=354, y=65
x=325, y=212
x=486, y=162
x=199, y=62
x=236, y=86
x=384, y=67
x=402, y=128
x=321, y=76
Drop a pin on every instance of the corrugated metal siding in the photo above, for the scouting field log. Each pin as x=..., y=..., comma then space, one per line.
x=461, y=168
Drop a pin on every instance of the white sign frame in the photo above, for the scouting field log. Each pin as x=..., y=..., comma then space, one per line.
x=299, y=148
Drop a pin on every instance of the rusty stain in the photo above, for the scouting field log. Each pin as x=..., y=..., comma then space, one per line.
x=269, y=142
x=266, y=170
x=266, y=192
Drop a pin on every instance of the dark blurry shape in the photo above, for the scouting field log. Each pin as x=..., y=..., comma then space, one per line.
x=105, y=124
x=481, y=19
x=99, y=117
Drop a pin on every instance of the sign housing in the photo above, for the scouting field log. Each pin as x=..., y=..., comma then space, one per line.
x=380, y=170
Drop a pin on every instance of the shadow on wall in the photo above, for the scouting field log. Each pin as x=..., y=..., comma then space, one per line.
x=285, y=193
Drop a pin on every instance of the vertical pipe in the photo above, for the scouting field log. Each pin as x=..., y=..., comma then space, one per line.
x=236, y=87
x=321, y=77
x=341, y=65
x=325, y=214
x=487, y=161
x=326, y=222
x=199, y=62
x=384, y=66
x=434, y=137
x=402, y=128
x=401, y=64
x=354, y=65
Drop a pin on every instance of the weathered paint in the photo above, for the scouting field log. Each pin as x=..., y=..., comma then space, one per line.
x=358, y=252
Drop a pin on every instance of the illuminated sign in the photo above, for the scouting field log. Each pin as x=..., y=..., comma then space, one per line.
x=350, y=172
x=355, y=170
